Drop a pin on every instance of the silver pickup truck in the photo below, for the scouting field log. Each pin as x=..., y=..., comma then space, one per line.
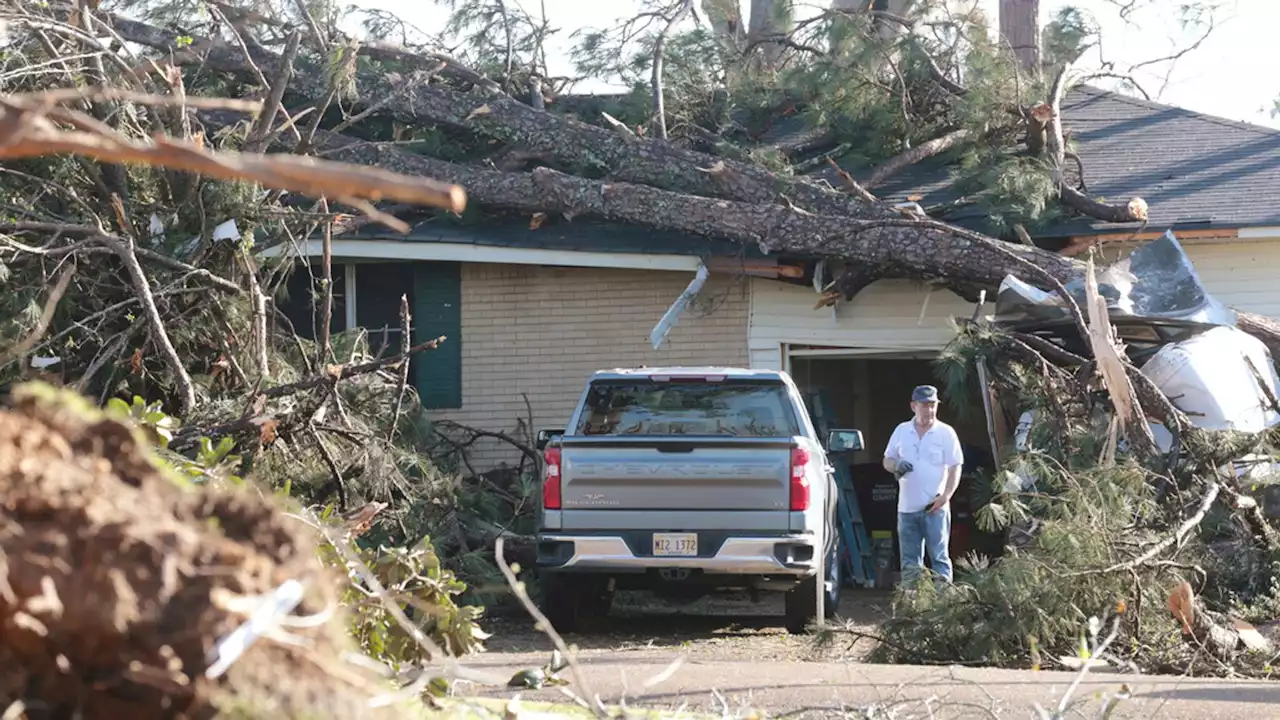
x=685, y=481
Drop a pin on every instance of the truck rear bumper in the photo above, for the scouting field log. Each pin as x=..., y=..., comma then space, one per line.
x=780, y=555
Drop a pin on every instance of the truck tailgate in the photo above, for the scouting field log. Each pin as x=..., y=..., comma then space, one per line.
x=727, y=474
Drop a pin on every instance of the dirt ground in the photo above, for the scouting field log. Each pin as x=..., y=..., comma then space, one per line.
x=719, y=627
x=116, y=582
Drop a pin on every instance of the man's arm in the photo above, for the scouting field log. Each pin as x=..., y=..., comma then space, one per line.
x=952, y=482
x=890, y=462
x=951, y=477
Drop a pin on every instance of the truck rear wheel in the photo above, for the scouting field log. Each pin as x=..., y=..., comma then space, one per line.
x=800, y=606
x=800, y=603
x=569, y=600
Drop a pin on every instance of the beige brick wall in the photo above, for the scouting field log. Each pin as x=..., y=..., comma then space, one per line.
x=542, y=331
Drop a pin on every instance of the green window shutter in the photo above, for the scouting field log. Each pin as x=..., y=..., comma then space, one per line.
x=437, y=310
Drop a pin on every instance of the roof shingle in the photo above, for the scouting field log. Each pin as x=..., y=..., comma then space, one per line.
x=1194, y=170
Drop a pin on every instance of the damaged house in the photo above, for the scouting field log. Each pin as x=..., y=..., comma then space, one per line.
x=531, y=310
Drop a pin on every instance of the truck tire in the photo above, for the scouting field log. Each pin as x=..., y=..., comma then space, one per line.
x=561, y=602
x=799, y=606
x=835, y=577
x=597, y=599
x=571, y=601
x=800, y=603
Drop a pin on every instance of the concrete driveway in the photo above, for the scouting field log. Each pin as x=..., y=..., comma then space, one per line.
x=824, y=689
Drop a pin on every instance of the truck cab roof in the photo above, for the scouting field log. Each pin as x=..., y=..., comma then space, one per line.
x=732, y=373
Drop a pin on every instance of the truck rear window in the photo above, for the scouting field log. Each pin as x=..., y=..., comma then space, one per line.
x=729, y=409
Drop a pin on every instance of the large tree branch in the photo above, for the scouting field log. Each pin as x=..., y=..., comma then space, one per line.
x=1262, y=327
x=659, y=55
x=27, y=126
x=921, y=152
x=1045, y=126
x=597, y=150
x=1133, y=211
x=257, y=139
x=1054, y=141
x=893, y=247
x=142, y=288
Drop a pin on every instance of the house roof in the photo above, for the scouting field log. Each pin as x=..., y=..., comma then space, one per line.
x=1194, y=170
x=582, y=234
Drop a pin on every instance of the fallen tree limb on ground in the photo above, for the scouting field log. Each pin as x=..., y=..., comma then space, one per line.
x=1092, y=529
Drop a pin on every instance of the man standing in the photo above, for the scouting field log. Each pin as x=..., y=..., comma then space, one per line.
x=924, y=455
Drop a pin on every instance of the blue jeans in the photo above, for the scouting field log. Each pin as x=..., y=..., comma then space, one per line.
x=921, y=531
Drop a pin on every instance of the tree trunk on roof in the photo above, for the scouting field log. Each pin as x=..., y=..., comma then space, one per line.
x=887, y=247
x=591, y=150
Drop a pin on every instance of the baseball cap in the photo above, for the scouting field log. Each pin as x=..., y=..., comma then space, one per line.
x=924, y=393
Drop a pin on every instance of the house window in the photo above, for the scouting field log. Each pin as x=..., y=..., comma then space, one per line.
x=367, y=294
x=379, y=287
x=302, y=294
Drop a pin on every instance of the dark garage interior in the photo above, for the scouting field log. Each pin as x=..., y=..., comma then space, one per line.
x=872, y=394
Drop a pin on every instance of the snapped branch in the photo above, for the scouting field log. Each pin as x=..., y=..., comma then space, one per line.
x=919, y=153
x=1045, y=131
x=27, y=126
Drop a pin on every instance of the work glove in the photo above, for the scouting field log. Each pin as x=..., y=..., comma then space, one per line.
x=902, y=467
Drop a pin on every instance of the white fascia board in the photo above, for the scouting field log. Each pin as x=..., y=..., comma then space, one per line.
x=1258, y=233
x=465, y=252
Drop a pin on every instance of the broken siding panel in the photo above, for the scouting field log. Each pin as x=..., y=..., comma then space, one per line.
x=888, y=315
x=1239, y=273
x=539, y=332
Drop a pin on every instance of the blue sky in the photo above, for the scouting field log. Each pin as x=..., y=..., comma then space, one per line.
x=1231, y=74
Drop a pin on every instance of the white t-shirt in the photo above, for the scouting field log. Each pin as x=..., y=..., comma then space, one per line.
x=930, y=456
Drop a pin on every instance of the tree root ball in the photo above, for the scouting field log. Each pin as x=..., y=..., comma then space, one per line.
x=117, y=580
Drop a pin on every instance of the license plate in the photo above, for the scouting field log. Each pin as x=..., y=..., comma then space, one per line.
x=675, y=544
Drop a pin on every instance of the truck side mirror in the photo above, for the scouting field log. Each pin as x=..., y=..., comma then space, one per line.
x=544, y=437
x=845, y=441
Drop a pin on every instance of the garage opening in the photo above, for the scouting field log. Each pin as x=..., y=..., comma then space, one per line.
x=872, y=393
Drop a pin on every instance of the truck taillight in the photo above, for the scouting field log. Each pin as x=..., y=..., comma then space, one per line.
x=551, y=479
x=799, y=479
